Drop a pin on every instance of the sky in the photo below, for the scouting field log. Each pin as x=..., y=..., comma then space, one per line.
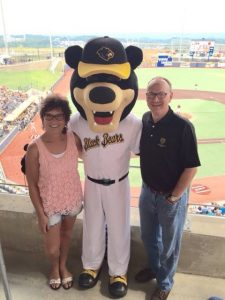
x=115, y=17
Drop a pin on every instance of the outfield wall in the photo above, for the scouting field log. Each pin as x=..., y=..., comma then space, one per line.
x=180, y=64
x=29, y=66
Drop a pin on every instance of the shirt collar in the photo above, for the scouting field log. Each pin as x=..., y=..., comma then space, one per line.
x=166, y=119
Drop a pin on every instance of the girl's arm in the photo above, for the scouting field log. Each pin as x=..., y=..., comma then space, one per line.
x=32, y=174
x=78, y=144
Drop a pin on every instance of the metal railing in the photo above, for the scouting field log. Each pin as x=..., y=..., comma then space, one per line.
x=4, y=277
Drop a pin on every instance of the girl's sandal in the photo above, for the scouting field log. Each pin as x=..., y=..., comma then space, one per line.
x=55, y=284
x=67, y=283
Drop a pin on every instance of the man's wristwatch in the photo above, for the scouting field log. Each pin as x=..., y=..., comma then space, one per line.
x=172, y=198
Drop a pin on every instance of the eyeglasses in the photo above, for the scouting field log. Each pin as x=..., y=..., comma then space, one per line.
x=160, y=95
x=58, y=117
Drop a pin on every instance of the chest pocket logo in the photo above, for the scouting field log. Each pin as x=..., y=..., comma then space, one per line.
x=162, y=142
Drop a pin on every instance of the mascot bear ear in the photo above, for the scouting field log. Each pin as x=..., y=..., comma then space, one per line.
x=134, y=55
x=73, y=55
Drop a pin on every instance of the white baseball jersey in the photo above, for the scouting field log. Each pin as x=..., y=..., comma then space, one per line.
x=107, y=156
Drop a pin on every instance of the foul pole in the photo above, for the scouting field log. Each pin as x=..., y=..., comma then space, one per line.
x=4, y=29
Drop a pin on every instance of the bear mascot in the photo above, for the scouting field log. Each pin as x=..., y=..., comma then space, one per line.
x=104, y=89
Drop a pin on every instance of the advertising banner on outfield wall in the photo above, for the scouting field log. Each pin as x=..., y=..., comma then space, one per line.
x=164, y=60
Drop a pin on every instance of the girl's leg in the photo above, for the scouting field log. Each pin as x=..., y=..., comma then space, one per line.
x=52, y=248
x=65, y=239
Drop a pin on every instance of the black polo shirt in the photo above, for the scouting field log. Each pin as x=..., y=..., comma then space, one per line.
x=166, y=149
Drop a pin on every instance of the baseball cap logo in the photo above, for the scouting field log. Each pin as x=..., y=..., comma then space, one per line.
x=105, y=53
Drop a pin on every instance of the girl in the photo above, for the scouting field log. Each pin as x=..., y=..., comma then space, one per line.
x=54, y=185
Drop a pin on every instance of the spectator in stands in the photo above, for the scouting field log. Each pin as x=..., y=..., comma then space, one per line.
x=199, y=210
x=210, y=212
x=223, y=209
x=217, y=211
x=10, y=99
x=54, y=185
x=169, y=161
x=204, y=210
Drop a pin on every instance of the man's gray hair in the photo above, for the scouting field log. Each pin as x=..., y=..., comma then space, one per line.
x=161, y=78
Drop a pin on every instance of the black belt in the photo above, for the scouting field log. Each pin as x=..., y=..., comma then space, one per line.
x=106, y=181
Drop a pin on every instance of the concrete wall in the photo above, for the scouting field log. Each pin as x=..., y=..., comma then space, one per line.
x=202, y=252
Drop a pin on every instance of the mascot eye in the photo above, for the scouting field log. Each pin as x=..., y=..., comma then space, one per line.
x=103, y=78
x=92, y=78
x=112, y=78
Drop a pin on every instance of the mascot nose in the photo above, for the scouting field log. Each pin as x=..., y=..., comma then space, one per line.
x=102, y=95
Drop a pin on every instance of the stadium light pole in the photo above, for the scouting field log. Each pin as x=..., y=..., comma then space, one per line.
x=181, y=34
x=4, y=29
x=51, y=47
x=180, y=46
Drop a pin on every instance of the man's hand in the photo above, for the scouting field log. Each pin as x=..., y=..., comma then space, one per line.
x=172, y=199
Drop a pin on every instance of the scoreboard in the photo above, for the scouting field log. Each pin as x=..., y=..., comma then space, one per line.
x=202, y=48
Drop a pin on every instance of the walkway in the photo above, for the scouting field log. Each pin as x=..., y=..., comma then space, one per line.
x=28, y=281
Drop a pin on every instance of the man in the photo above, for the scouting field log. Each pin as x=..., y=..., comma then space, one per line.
x=169, y=161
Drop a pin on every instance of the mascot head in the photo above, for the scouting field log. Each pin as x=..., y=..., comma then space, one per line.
x=104, y=86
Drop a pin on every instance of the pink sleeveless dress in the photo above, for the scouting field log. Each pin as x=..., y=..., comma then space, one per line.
x=59, y=181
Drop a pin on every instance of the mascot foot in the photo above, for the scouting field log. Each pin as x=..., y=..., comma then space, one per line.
x=118, y=286
x=88, y=278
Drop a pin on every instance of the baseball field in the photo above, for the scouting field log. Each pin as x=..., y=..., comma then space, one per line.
x=201, y=96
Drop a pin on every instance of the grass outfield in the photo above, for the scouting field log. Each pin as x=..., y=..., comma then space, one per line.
x=181, y=78
x=207, y=116
x=23, y=80
x=186, y=78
